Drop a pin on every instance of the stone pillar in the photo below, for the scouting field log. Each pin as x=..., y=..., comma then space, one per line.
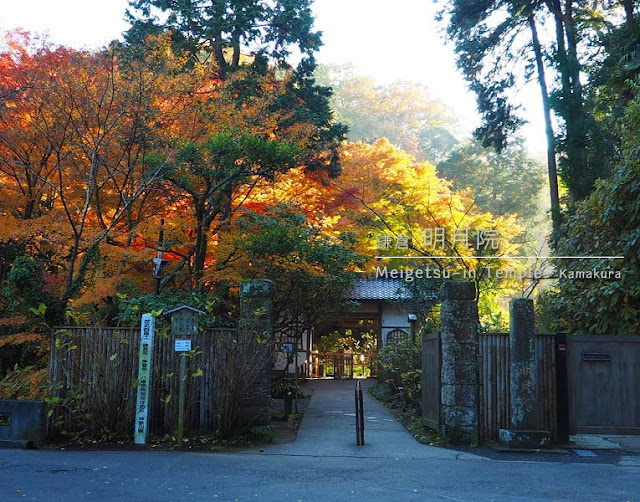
x=256, y=310
x=459, y=367
x=523, y=375
x=523, y=372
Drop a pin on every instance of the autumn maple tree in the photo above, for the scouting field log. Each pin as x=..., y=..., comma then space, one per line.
x=97, y=147
x=72, y=150
x=394, y=203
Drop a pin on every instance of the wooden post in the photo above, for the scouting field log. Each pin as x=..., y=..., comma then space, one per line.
x=158, y=261
x=412, y=320
x=297, y=383
x=184, y=324
x=183, y=373
x=562, y=389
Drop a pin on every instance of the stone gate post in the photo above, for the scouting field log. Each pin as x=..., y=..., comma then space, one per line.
x=459, y=368
x=256, y=310
x=523, y=375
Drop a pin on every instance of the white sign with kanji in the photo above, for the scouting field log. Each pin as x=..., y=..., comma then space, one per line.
x=147, y=328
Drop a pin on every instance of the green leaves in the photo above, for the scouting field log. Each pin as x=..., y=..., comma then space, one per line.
x=131, y=309
x=240, y=154
x=489, y=49
x=396, y=361
x=284, y=247
x=501, y=183
x=403, y=112
x=275, y=27
x=40, y=311
x=607, y=223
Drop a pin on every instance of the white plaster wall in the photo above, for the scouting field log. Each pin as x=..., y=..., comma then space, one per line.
x=280, y=360
x=394, y=317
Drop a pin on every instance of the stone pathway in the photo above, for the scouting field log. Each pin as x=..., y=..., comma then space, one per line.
x=328, y=428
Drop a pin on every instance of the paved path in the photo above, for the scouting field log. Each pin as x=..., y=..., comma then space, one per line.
x=328, y=428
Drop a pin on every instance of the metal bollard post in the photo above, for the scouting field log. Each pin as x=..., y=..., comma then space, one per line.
x=359, y=415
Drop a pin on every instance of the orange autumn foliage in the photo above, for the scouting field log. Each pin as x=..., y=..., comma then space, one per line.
x=90, y=144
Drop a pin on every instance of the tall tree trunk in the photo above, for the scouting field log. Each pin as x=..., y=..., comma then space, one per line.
x=572, y=111
x=235, y=60
x=200, y=253
x=578, y=141
x=29, y=208
x=551, y=142
x=628, y=11
x=219, y=56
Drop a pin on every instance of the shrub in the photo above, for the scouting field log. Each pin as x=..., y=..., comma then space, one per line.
x=281, y=388
x=400, y=370
x=262, y=433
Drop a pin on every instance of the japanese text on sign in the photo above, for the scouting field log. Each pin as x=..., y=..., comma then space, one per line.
x=144, y=377
x=436, y=238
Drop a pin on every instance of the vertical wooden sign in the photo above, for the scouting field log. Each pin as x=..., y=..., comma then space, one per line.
x=147, y=328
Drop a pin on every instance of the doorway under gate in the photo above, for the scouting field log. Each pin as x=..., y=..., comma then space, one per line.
x=342, y=365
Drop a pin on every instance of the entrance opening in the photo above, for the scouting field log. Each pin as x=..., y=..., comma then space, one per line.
x=345, y=347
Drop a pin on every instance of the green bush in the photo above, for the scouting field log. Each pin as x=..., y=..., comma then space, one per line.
x=281, y=388
x=262, y=433
x=131, y=308
x=607, y=223
x=400, y=370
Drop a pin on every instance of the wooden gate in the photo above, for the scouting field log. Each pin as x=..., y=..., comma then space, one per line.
x=604, y=384
x=339, y=365
x=431, y=380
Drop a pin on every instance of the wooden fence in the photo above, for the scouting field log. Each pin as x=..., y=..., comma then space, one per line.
x=603, y=384
x=494, y=383
x=94, y=373
x=431, y=380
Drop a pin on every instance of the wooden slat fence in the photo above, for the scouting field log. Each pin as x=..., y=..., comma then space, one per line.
x=431, y=380
x=94, y=370
x=494, y=383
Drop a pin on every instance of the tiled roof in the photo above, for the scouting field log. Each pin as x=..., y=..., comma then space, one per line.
x=382, y=288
